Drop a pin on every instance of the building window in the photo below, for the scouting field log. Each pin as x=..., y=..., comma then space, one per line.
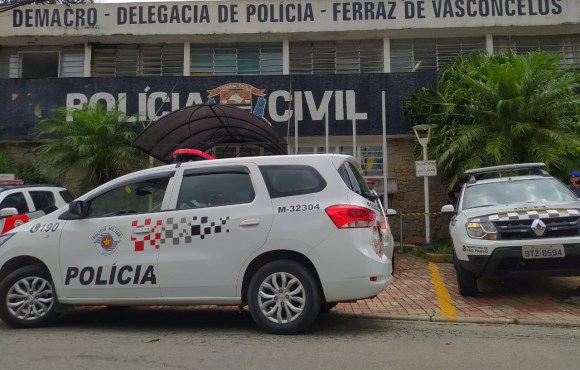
x=41, y=62
x=567, y=46
x=410, y=55
x=372, y=160
x=137, y=60
x=336, y=57
x=231, y=60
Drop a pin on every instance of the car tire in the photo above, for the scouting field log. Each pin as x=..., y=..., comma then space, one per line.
x=326, y=307
x=28, y=298
x=393, y=263
x=275, y=285
x=466, y=281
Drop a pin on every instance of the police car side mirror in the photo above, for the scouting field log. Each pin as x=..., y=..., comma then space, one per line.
x=448, y=208
x=8, y=211
x=77, y=208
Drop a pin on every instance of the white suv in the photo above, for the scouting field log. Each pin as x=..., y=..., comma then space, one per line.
x=21, y=203
x=34, y=200
x=514, y=226
x=287, y=235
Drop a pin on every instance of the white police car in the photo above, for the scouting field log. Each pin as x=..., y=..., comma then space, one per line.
x=514, y=226
x=287, y=235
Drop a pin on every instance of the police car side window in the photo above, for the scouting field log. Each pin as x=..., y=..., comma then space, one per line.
x=143, y=196
x=343, y=172
x=290, y=180
x=215, y=189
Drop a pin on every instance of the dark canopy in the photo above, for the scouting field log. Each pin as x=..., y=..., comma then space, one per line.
x=205, y=126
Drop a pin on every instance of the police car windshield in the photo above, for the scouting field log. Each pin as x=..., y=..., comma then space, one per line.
x=516, y=191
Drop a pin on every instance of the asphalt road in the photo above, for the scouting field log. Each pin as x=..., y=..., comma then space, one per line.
x=221, y=339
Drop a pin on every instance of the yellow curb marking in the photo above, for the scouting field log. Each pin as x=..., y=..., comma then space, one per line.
x=445, y=303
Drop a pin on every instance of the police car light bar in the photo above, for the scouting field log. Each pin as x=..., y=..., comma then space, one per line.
x=186, y=155
x=536, y=168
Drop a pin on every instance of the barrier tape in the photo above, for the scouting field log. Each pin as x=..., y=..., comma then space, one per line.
x=418, y=213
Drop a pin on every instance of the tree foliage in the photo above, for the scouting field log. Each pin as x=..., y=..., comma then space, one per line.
x=96, y=143
x=501, y=109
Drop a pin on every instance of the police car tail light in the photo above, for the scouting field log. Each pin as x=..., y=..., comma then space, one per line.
x=346, y=216
x=482, y=230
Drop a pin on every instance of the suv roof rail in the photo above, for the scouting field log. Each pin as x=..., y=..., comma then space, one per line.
x=24, y=186
x=534, y=168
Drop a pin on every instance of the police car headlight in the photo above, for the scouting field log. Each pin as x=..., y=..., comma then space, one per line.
x=4, y=238
x=482, y=230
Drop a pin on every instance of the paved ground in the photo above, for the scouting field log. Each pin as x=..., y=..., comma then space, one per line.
x=423, y=290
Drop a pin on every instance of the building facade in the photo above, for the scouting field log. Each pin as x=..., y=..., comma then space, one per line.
x=329, y=76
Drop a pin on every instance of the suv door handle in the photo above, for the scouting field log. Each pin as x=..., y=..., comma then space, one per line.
x=143, y=230
x=250, y=222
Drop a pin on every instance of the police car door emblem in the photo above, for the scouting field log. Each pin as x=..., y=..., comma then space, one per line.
x=106, y=239
x=538, y=227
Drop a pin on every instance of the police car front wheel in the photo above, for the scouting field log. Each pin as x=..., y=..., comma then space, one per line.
x=27, y=298
x=283, y=297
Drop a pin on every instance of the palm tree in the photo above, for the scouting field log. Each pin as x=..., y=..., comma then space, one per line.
x=500, y=109
x=95, y=142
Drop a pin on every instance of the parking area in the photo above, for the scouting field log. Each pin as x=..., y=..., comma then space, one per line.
x=423, y=290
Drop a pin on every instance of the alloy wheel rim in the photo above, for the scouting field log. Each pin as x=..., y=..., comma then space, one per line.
x=30, y=298
x=281, y=297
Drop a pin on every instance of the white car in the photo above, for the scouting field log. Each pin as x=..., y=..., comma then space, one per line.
x=289, y=236
x=34, y=200
x=514, y=226
x=21, y=203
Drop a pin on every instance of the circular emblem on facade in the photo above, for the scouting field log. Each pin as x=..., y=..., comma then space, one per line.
x=538, y=227
x=106, y=239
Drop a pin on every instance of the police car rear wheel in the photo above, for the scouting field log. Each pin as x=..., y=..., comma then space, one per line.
x=283, y=297
x=27, y=298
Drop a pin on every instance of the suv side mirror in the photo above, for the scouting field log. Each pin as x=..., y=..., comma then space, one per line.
x=390, y=212
x=448, y=208
x=78, y=208
x=7, y=212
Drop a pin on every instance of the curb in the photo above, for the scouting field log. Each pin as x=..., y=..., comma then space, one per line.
x=463, y=320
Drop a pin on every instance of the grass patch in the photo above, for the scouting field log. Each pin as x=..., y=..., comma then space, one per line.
x=422, y=252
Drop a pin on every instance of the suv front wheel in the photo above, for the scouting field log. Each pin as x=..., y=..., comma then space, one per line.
x=283, y=297
x=27, y=298
x=466, y=281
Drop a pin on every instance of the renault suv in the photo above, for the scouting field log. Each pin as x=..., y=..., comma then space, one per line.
x=514, y=221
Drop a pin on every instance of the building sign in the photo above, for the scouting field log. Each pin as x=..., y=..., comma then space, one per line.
x=425, y=168
x=280, y=17
x=307, y=100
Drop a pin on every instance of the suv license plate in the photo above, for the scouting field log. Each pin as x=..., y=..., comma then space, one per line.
x=543, y=251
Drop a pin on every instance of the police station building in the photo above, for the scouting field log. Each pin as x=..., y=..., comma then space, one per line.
x=328, y=75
